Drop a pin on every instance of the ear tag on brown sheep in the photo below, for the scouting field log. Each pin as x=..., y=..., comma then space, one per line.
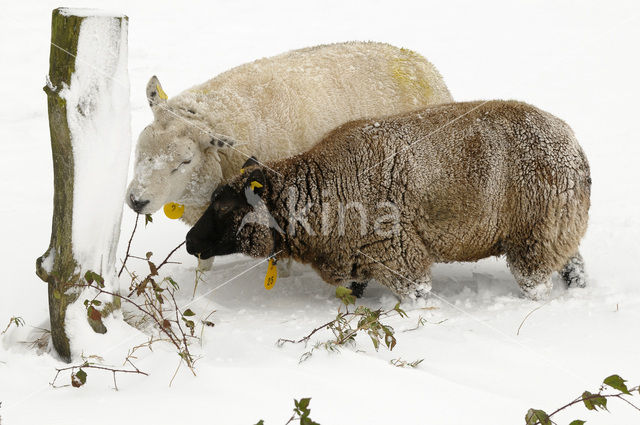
x=255, y=184
x=173, y=210
x=161, y=92
x=272, y=274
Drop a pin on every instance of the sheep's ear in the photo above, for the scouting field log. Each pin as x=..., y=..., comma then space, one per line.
x=249, y=162
x=256, y=181
x=156, y=96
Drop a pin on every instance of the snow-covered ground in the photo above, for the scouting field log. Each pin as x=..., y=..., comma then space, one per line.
x=577, y=60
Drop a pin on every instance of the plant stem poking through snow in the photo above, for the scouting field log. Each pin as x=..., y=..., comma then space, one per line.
x=345, y=332
x=79, y=377
x=590, y=401
x=301, y=412
x=177, y=326
x=126, y=257
x=15, y=320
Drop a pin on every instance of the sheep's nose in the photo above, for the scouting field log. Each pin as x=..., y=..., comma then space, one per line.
x=136, y=204
x=191, y=242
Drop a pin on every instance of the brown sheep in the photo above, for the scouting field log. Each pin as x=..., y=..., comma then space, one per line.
x=453, y=182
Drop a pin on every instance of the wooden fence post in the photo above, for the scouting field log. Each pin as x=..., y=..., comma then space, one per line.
x=74, y=99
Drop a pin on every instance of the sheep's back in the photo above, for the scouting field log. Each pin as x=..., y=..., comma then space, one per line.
x=466, y=176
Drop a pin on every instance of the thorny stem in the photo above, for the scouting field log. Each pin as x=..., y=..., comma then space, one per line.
x=87, y=365
x=175, y=340
x=187, y=356
x=126, y=257
x=291, y=418
x=339, y=317
x=165, y=261
x=305, y=339
x=581, y=399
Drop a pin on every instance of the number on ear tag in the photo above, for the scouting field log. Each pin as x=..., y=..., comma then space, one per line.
x=272, y=274
x=173, y=210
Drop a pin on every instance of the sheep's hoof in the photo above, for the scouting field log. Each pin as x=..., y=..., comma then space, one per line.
x=573, y=272
x=357, y=289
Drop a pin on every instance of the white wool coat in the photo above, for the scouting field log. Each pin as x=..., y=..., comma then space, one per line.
x=272, y=108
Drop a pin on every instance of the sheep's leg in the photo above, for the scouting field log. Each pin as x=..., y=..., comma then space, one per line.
x=285, y=267
x=421, y=288
x=357, y=289
x=205, y=265
x=532, y=263
x=573, y=272
x=408, y=289
x=535, y=283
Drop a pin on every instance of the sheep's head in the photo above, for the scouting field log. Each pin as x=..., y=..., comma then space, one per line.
x=170, y=153
x=237, y=220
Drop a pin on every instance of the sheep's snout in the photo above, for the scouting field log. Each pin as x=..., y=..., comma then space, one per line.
x=137, y=204
x=194, y=244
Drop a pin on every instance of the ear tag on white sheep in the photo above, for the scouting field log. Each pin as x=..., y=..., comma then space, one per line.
x=255, y=184
x=161, y=92
x=272, y=274
x=173, y=210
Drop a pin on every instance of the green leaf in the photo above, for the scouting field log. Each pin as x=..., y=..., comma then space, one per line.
x=96, y=302
x=91, y=276
x=342, y=292
x=56, y=294
x=593, y=401
x=173, y=283
x=390, y=341
x=616, y=382
x=79, y=378
x=147, y=219
x=577, y=422
x=536, y=416
x=260, y=422
x=400, y=311
x=82, y=376
x=303, y=403
x=188, y=312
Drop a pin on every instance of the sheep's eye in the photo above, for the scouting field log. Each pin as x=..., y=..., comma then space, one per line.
x=223, y=208
x=180, y=165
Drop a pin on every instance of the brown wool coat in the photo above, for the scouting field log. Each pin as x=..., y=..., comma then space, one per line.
x=470, y=180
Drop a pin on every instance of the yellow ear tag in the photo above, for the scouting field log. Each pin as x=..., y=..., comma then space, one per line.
x=272, y=274
x=161, y=92
x=255, y=184
x=173, y=210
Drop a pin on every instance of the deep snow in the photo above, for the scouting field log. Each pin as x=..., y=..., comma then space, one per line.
x=574, y=59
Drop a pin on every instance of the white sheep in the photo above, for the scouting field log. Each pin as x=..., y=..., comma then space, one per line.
x=276, y=107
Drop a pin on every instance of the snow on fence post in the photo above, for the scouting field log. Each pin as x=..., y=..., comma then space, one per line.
x=89, y=121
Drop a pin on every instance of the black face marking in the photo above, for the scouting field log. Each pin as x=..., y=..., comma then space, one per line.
x=153, y=94
x=220, y=143
x=214, y=232
x=191, y=111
